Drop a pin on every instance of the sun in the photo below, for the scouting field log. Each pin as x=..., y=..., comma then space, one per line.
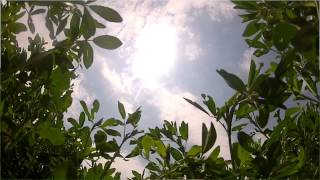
x=156, y=47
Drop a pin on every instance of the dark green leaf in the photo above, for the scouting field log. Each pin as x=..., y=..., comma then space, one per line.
x=251, y=29
x=73, y=122
x=194, y=151
x=62, y=25
x=85, y=108
x=263, y=117
x=252, y=73
x=31, y=25
x=18, y=28
x=210, y=138
x=211, y=105
x=74, y=24
x=196, y=105
x=244, y=110
x=107, y=42
x=100, y=137
x=176, y=154
x=183, y=129
x=232, y=80
x=82, y=118
x=38, y=11
x=135, y=152
x=246, y=141
x=112, y=132
x=88, y=26
x=87, y=53
x=107, y=13
x=283, y=33
x=239, y=127
x=54, y=135
x=49, y=25
x=96, y=105
x=121, y=109
x=99, y=25
x=152, y=166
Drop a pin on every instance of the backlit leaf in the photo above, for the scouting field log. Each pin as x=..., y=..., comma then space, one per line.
x=107, y=42
x=106, y=13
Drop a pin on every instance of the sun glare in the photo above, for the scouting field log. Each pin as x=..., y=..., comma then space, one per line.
x=156, y=52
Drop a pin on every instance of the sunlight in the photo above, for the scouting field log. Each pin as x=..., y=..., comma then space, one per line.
x=156, y=52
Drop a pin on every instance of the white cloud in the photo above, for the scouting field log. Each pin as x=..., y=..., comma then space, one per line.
x=246, y=60
x=173, y=107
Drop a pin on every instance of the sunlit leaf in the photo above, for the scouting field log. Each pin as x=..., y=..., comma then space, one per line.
x=147, y=142
x=111, y=122
x=183, y=129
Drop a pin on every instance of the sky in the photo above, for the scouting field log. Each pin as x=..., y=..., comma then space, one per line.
x=171, y=49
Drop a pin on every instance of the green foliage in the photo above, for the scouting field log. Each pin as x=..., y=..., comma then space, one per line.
x=274, y=115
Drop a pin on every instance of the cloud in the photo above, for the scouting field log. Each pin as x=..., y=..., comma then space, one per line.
x=173, y=107
x=246, y=60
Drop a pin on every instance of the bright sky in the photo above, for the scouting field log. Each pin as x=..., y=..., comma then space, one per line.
x=171, y=49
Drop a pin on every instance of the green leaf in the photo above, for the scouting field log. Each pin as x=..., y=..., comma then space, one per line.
x=100, y=137
x=196, y=105
x=252, y=73
x=211, y=105
x=82, y=118
x=111, y=122
x=210, y=138
x=30, y=24
x=147, y=143
x=232, y=80
x=215, y=153
x=135, y=152
x=244, y=110
x=74, y=24
x=134, y=118
x=62, y=25
x=246, y=141
x=161, y=148
x=263, y=117
x=176, y=154
x=107, y=42
x=152, y=166
x=87, y=53
x=73, y=122
x=283, y=33
x=107, y=13
x=112, y=132
x=110, y=146
x=85, y=108
x=17, y=28
x=194, y=151
x=251, y=29
x=183, y=129
x=122, y=110
x=38, y=11
x=54, y=135
x=239, y=127
x=96, y=105
x=88, y=26
x=49, y=25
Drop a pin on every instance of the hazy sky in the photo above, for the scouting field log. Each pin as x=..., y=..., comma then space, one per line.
x=171, y=49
